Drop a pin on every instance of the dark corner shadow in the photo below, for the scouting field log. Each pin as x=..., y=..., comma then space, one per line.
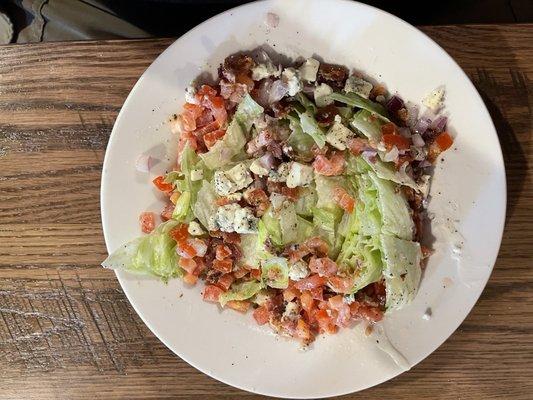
x=513, y=153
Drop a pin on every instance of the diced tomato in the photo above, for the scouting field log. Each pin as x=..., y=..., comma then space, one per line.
x=255, y=274
x=206, y=90
x=317, y=293
x=325, y=322
x=240, y=273
x=217, y=106
x=204, y=120
x=166, y=214
x=357, y=145
x=343, y=310
x=186, y=250
x=307, y=301
x=188, y=264
x=290, y=293
x=317, y=245
x=323, y=266
x=359, y=310
x=310, y=282
x=261, y=315
x=222, y=251
x=180, y=233
x=188, y=121
x=160, y=183
x=444, y=141
x=200, y=265
x=190, y=279
x=329, y=167
x=195, y=109
x=343, y=199
x=303, y=332
x=211, y=138
x=399, y=141
x=200, y=246
x=341, y=285
x=224, y=266
x=147, y=221
x=238, y=305
x=389, y=129
x=225, y=281
x=204, y=130
x=212, y=293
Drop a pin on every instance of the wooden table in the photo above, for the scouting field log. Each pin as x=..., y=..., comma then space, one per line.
x=66, y=329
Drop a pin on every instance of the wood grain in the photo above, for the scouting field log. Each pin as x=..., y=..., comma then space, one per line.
x=67, y=330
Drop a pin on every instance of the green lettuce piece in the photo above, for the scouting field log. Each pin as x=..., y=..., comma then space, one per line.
x=181, y=210
x=355, y=100
x=247, y=111
x=275, y=272
x=153, y=254
x=364, y=122
x=388, y=172
x=305, y=230
x=272, y=227
x=288, y=222
x=311, y=127
x=251, y=251
x=307, y=199
x=205, y=207
x=401, y=261
x=300, y=142
x=393, y=208
x=304, y=101
x=240, y=291
x=226, y=148
x=326, y=222
x=325, y=186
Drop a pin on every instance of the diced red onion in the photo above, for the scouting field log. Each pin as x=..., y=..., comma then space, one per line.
x=417, y=140
x=144, y=163
x=263, y=92
x=267, y=160
x=370, y=155
x=440, y=123
x=424, y=164
x=394, y=104
x=405, y=132
x=422, y=126
x=391, y=155
x=278, y=90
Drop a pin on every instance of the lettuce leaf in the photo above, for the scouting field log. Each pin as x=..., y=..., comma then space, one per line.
x=153, y=254
x=226, y=148
x=388, y=172
x=364, y=122
x=247, y=111
x=275, y=272
x=240, y=291
x=401, y=260
x=311, y=127
x=355, y=100
x=205, y=207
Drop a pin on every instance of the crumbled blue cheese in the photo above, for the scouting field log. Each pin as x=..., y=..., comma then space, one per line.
x=234, y=218
x=265, y=70
x=276, y=200
x=338, y=134
x=232, y=180
x=434, y=100
x=257, y=168
x=197, y=174
x=359, y=86
x=322, y=95
x=292, y=311
x=309, y=69
x=190, y=93
x=298, y=270
x=281, y=174
x=195, y=229
x=292, y=78
x=299, y=175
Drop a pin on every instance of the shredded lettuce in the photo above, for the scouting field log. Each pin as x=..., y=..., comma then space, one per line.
x=355, y=100
x=324, y=189
x=275, y=272
x=226, y=148
x=326, y=222
x=364, y=122
x=304, y=101
x=306, y=201
x=272, y=227
x=401, y=260
x=247, y=111
x=205, y=207
x=300, y=142
x=311, y=127
x=240, y=291
x=388, y=172
x=153, y=254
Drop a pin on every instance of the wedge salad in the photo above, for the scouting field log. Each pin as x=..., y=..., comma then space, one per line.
x=298, y=193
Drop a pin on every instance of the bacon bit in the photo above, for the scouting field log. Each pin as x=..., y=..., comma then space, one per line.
x=166, y=214
x=329, y=167
x=317, y=245
x=377, y=90
x=188, y=264
x=326, y=115
x=389, y=129
x=200, y=265
x=225, y=281
x=324, y=266
x=180, y=233
x=255, y=274
x=399, y=141
x=244, y=79
x=426, y=251
x=303, y=332
x=291, y=193
x=318, y=293
x=406, y=158
x=212, y=137
x=224, y=266
x=160, y=183
x=290, y=293
x=317, y=151
x=258, y=199
x=238, y=305
x=261, y=315
x=222, y=252
x=343, y=199
x=212, y=293
x=147, y=221
x=231, y=237
x=357, y=145
x=362, y=311
x=343, y=310
x=310, y=282
x=240, y=273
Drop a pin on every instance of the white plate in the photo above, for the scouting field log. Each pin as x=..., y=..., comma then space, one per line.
x=469, y=189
